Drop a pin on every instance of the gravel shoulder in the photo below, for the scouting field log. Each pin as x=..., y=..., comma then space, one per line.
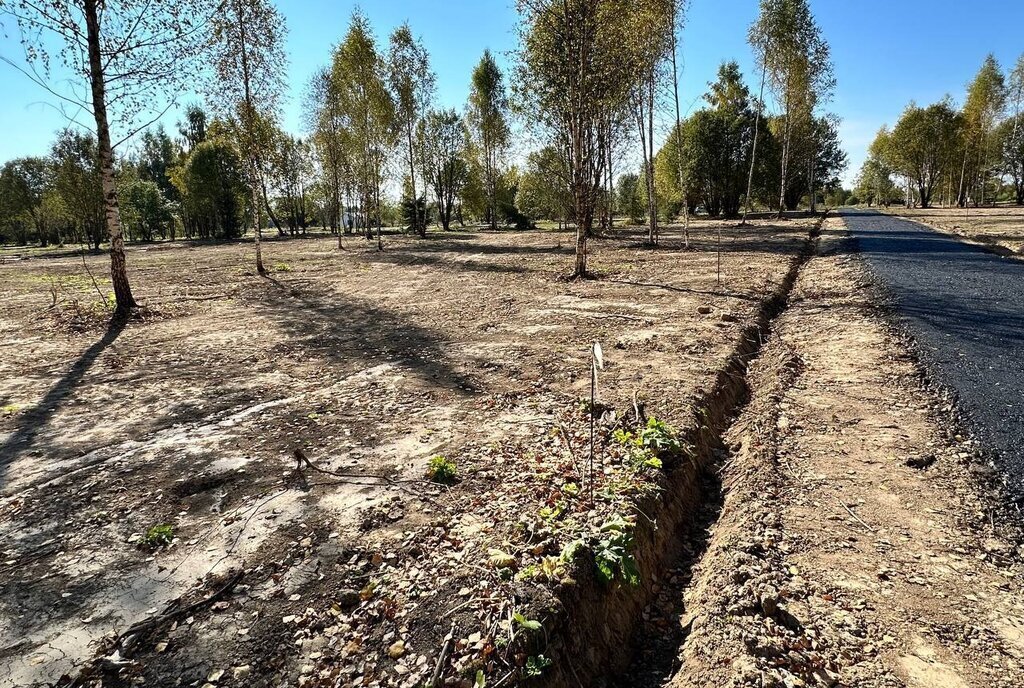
x=1001, y=229
x=962, y=305
x=856, y=544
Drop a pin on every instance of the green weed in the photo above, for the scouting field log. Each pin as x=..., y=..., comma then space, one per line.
x=441, y=470
x=535, y=666
x=613, y=553
x=159, y=536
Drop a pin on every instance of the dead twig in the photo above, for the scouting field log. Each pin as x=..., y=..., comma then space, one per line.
x=302, y=460
x=850, y=511
x=445, y=649
x=127, y=638
x=103, y=299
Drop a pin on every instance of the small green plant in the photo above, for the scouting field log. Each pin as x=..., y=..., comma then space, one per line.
x=9, y=409
x=571, y=489
x=613, y=552
x=535, y=666
x=282, y=267
x=159, y=536
x=527, y=624
x=441, y=470
x=647, y=446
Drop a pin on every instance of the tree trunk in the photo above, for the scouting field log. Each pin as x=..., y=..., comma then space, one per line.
x=679, y=142
x=257, y=231
x=419, y=228
x=753, y=148
x=650, y=161
x=254, y=165
x=582, y=232
x=118, y=263
x=785, y=155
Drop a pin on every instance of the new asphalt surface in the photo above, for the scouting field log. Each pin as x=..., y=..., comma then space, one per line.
x=965, y=308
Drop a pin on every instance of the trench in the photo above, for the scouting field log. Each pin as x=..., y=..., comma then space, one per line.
x=604, y=644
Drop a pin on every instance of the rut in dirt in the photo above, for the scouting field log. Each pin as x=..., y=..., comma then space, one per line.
x=657, y=646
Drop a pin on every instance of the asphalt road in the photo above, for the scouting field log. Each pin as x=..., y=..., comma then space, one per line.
x=965, y=308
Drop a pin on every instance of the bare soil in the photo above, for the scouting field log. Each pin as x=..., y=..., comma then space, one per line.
x=1001, y=228
x=470, y=345
x=857, y=542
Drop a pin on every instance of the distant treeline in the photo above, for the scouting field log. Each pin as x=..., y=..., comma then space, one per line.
x=942, y=153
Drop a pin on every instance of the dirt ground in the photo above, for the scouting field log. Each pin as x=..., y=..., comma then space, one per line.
x=1001, y=227
x=857, y=543
x=468, y=345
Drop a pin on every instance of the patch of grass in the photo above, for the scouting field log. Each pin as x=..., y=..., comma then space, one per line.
x=159, y=536
x=282, y=267
x=442, y=470
x=9, y=409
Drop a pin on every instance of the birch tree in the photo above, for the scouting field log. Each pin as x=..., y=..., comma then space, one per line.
x=580, y=64
x=986, y=99
x=1012, y=141
x=359, y=77
x=487, y=120
x=128, y=61
x=326, y=119
x=413, y=84
x=796, y=59
x=247, y=37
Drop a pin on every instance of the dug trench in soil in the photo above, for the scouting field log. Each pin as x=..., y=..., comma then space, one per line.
x=601, y=623
x=854, y=546
x=333, y=580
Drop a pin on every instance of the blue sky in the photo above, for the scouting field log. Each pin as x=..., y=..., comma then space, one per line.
x=886, y=52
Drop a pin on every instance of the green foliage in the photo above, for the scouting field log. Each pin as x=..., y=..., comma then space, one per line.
x=159, y=536
x=144, y=210
x=543, y=190
x=442, y=135
x=535, y=666
x=366, y=108
x=925, y=145
x=414, y=214
x=613, y=553
x=526, y=624
x=711, y=149
x=487, y=123
x=441, y=470
x=628, y=199
x=212, y=190
x=648, y=446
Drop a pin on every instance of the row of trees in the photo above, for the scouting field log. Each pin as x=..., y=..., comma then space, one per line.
x=590, y=78
x=592, y=73
x=969, y=155
x=374, y=120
